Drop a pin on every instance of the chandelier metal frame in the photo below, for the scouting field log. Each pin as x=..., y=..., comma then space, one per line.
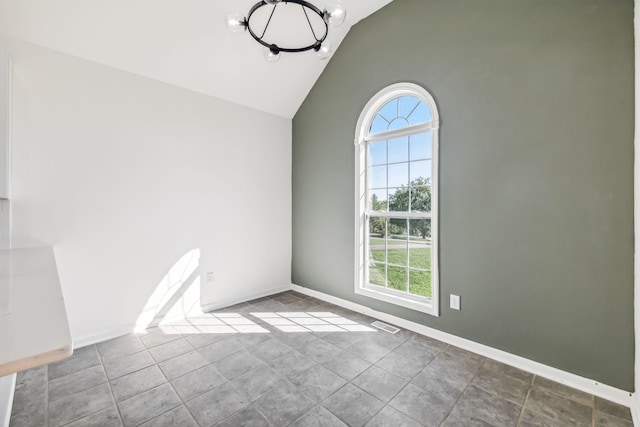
x=274, y=48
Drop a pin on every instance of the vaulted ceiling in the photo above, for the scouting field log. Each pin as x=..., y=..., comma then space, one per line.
x=180, y=42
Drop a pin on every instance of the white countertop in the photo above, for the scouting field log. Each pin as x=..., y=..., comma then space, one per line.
x=34, y=329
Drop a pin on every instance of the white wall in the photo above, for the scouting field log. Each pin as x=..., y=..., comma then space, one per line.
x=5, y=133
x=124, y=175
x=5, y=96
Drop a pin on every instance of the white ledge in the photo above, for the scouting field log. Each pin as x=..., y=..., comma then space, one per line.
x=34, y=329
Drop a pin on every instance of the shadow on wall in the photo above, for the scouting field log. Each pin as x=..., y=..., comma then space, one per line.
x=176, y=296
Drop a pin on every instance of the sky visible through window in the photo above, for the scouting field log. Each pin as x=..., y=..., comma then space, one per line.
x=400, y=161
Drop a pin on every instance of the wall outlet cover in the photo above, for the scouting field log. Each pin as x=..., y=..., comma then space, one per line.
x=454, y=301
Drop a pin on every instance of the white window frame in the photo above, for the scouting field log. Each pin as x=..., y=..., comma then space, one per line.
x=361, y=286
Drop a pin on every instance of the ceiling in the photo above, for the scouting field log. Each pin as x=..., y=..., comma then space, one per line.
x=180, y=42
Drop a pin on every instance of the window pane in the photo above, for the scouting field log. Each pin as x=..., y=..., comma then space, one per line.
x=379, y=124
x=377, y=240
x=398, y=123
x=390, y=110
x=397, y=229
x=420, y=283
x=397, y=278
x=378, y=200
x=421, y=114
x=397, y=252
x=421, y=169
x=419, y=256
x=421, y=146
x=377, y=274
x=399, y=175
x=378, y=177
x=399, y=149
x=399, y=199
x=377, y=237
x=420, y=230
x=421, y=199
x=377, y=153
x=407, y=105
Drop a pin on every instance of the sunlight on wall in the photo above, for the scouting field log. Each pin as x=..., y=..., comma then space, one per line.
x=176, y=296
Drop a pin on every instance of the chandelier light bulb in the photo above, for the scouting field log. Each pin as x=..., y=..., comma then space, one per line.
x=271, y=55
x=235, y=23
x=336, y=15
x=325, y=50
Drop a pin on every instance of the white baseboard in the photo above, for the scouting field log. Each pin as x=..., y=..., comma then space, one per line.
x=575, y=381
x=246, y=297
x=635, y=409
x=102, y=336
x=7, y=389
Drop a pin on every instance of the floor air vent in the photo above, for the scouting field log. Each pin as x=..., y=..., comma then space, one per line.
x=387, y=328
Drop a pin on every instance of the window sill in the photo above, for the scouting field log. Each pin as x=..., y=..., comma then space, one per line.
x=423, y=307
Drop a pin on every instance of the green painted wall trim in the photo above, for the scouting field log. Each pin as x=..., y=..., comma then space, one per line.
x=536, y=171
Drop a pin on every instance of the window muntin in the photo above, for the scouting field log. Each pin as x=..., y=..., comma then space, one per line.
x=400, y=112
x=397, y=200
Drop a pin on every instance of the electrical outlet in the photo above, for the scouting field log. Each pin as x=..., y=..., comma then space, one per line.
x=454, y=301
x=210, y=277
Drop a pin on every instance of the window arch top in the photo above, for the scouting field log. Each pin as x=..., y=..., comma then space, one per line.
x=400, y=112
x=399, y=108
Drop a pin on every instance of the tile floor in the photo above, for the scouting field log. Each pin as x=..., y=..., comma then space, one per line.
x=293, y=360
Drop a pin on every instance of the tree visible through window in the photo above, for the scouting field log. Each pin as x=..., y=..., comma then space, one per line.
x=398, y=164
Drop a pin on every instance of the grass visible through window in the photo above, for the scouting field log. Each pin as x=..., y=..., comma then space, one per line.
x=419, y=257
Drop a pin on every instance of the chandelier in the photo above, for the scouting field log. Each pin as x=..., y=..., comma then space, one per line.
x=333, y=17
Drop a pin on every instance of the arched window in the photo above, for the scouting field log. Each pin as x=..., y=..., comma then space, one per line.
x=397, y=198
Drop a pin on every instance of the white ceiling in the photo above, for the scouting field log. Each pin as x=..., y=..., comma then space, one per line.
x=181, y=42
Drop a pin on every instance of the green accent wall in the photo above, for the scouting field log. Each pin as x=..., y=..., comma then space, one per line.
x=536, y=99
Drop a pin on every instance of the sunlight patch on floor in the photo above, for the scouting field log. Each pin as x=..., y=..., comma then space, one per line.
x=311, y=322
x=240, y=323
